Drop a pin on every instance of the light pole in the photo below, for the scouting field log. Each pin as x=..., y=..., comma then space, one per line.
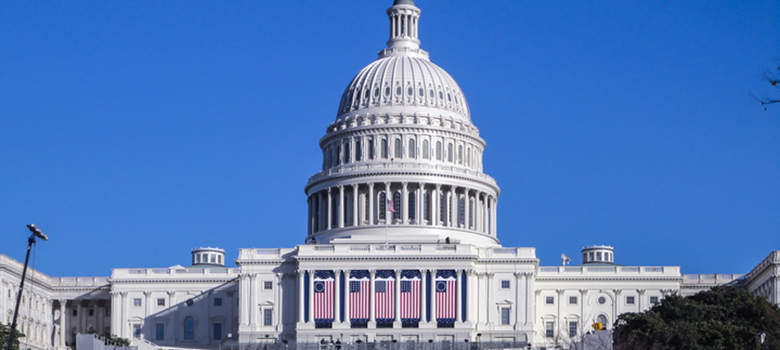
x=36, y=232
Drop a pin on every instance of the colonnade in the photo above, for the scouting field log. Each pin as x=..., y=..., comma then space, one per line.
x=420, y=204
x=427, y=300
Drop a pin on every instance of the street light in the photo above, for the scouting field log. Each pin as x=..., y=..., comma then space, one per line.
x=36, y=232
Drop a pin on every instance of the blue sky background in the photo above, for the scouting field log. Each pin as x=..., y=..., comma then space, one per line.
x=131, y=132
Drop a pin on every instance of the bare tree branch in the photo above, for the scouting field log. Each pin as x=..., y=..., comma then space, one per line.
x=774, y=80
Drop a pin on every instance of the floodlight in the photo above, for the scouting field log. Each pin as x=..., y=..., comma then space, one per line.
x=37, y=232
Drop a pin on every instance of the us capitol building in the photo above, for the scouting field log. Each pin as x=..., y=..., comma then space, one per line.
x=401, y=247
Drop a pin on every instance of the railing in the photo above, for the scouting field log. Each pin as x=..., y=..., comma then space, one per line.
x=328, y=248
x=505, y=251
x=401, y=165
x=602, y=269
x=267, y=251
x=654, y=269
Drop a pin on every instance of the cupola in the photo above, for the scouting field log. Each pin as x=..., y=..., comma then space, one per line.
x=598, y=254
x=208, y=256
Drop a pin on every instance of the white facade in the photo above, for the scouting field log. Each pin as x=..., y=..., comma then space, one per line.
x=402, y=206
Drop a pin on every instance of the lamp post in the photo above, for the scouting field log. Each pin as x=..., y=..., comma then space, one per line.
x=36, y=232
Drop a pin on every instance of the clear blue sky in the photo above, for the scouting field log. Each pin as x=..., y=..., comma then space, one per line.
x=133, y=131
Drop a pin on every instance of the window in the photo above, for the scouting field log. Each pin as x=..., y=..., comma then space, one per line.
x=92, y=312
x=189, y=328
x=160, y=334
x=74, y=312
x=438, y=150
x=573, y=328
x=217, y=331
x=603, y=320
x=268, y=285
x=398, y=90
x=136, y=331
x=573, y=300
x=653, y=300
x=629, y=300
x=549, y=329
x=337, y=155
x=449, y=153
x=383, y=151
x=268, y=317
x=347, y=154
x=412, y=149
x=382, y=206
x=358, y=151
x=598, y=256
x=409, y=91
x=602, y=300
x=397, y=206
x=217, y=301
x=160, y=302
x=460, y=154
x=370, y=148
x=549, y=300
x=412, y=206
x=505, y=316
x=137, y=302
x=398, y=148
x=504, y=284
x=426, y=151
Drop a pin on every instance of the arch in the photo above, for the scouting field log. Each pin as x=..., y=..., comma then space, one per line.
x=426, y=150
x=371, y=152
x=358, y=151
x=412, y=149
x=438, y=150
x=468, y=156
x=398, y=148
x=383, y=149
x=347, y=154
x=460, y=154
x=449, y=152
x=603, y=319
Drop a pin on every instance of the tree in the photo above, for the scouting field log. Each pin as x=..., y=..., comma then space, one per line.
x=720, y=318
x=5, y=332
x=774, y=80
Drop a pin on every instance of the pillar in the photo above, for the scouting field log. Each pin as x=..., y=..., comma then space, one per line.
x=342, y=206
x=458, y=296
x=423, y=304
x=311, y=296
x=435, y=205
x=397, y=298
x=346, y=297
x=371, y=298
x=301, y=296
x=419, y=206
x=433, y=298
x=337, y=301
x=467, y=210
x=330, y=210
x=388, y=198
x=64, y=319
x=404, y=204
x=355, y=194
x=371, y=204
x=454, y=207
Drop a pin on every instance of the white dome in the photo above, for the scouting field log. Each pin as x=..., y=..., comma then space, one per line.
x=403, y=83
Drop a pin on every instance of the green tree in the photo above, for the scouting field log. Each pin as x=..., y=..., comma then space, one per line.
x=5, y=332
x=720, y=318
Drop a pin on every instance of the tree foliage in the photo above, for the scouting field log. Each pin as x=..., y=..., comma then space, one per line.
x=773, y=78
x=5, y=332
x=720, y=318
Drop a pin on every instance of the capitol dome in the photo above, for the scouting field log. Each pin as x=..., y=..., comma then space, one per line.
x=402, y=162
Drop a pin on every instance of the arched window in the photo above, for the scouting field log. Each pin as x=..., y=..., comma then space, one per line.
x=438, y=150
x=338, y=155
x=397, y=206
x=449, y=153
x=460, y=154
x=358, y=151
x=603, y=319
x=412, y=149
x=426, y=150
x=381, y=207
x=189, y=328
x=398, y=148
x=371, y=149
x=383, y=151
x=468, y=157
x=412, y=206
x=347, y=155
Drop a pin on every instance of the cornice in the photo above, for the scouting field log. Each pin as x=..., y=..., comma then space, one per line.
x=160, y=280
x=386, y=258
x=609, y=278
x=378, y=129
x=370, y=173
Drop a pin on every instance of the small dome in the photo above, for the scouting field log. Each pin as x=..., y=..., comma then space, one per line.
x=403, y=83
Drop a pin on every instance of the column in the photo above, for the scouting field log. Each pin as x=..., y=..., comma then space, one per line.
x=639, y=300
x=355, y=195
x=559, y=317
x=370, y=203
x=371, y=297
x=337, y=302
x=330, y=210
x=388, y=198
x=123, y=318
x=583, y=292
x=308, y=218
x=397, y=296
x=435, y=205
x=346, y=297
x=253, y=302
x=419, y=206
x=342, y=207
x=147, y=305
x=495, y=215
x=320, y=212
x=488, y=284
x=485, y=218
x=529, y=306
x=311, y=296
x=519, y=295
x=467, y=209
x=423, y=304
x=404, y=204
x=433, y=298
x=64, y=319
x=301, y=295
x=79, y=316
x=454, y=207
x=243, y=293
x=459, y=296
